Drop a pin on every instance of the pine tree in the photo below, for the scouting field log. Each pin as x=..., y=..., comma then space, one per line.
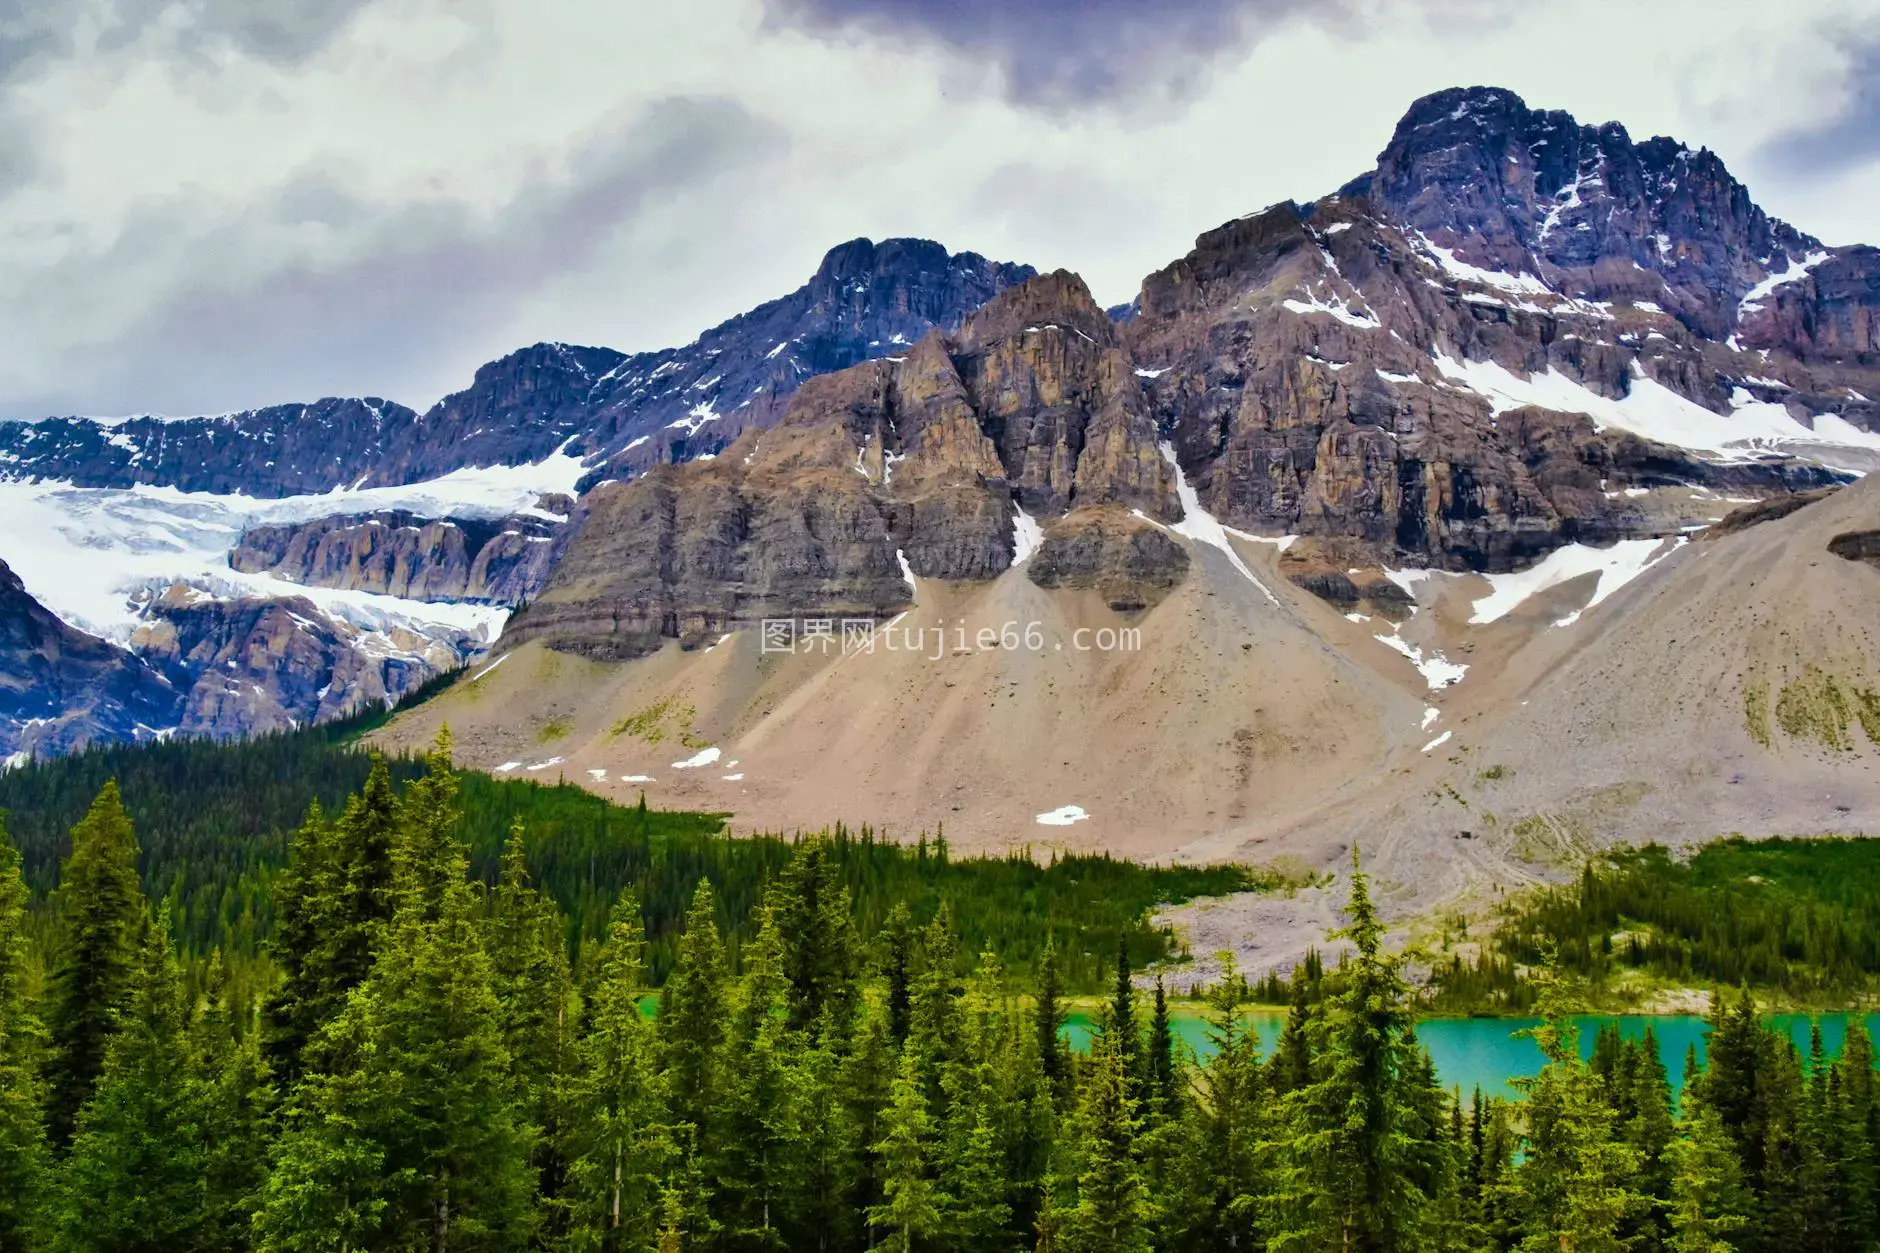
x=818, y=937
x=1111, y=1213
x=1708, y=1200
x=896, y=944
x=614, y=1140
x=1577, y=1183
x=1352, y=1157
x=692, y=1019
x=1048, y=1019
x=22, y=1096
x=132, y=1180
x=406, y=1134
x=100, y=906
x=534, y=986
x=910, y=1209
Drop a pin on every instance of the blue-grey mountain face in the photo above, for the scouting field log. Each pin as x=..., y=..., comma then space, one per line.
x=620, y=412
x=61, y=689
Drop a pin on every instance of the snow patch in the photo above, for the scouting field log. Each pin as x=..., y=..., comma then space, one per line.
x=1797, y=271
x=506, y=767
x=1653, y=411
x=1027, y=535
x=1430, y=716
x=907, y=571
x=1337, y=308
x=1616, y=566
x=704, y=757
x=1063, y=816
x=1199, y=525
x=1438, y=742
x=1437, y=670
x=543, y=765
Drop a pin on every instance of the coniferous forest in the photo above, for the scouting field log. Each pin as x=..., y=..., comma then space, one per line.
x=438, y=1064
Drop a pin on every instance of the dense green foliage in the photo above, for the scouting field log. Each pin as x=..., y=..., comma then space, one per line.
x=1800, y=918
x=439, y=1070
x=215, y=821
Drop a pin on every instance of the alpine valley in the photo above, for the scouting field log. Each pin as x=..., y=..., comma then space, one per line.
x=1503, y=505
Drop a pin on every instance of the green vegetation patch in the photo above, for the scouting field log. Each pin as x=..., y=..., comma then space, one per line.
x=1814, y=707
x=1799, y=918
x=1756, y=711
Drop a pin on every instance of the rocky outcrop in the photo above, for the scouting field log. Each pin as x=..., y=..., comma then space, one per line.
x=622, y=413
x=1857, y=546
x=61, y=689
x=252, y=665
x=1129, y=561
x=916, y=467
x=502, y=562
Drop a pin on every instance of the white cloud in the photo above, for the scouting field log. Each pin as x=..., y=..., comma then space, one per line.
x=377, y=202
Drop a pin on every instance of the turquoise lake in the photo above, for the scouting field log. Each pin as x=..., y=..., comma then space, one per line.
x=1486, y=1052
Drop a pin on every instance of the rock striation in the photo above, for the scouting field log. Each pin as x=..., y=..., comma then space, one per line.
x=395, y=553
x=922, y=466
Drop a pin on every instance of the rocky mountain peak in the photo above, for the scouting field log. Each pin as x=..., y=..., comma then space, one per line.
x=1520, y=190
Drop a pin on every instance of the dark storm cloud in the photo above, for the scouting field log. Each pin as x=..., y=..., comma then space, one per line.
x=1840, y=140
x=1060, y=52
x=422, y=282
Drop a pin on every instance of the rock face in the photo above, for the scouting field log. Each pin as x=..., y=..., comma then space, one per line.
x=623, y=413
x=1128, y=560
x=1438, y=365
x=395, y=553
x=923, y=466
x=61, y=689
x=1857, y=546
x=251, y=665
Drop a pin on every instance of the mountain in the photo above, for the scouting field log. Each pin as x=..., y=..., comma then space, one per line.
x=61, y=689
x=618, y=412
x=316, y=558
x=1384, y=505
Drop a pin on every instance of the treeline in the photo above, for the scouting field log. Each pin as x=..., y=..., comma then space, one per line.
x=215, y=820
x=436, y=1069
x=1800, y=918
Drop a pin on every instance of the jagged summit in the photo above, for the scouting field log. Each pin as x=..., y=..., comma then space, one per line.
x=1524, y=190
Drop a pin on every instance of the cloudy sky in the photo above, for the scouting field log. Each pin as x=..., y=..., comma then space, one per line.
x=212, y=204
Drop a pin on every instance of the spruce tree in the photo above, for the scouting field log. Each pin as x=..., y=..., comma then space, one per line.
x=910, y=1209
x=534, y=986
x=692, y=1020
x=1230, y=1123
x=614, y=1140
x=1291, y=1066
x=133, y=1177
x=819, y=947
x=895, y=942
x=22, y=1095
x=1111, y=1213
x=1577, y=1185
x=307, y=913
x=101, y=911
x=406, y=1133
x=1122, y=1018
x=1353, y=1152
x=1708, y=1199
x=1164, y=1069
x=1048, y=1019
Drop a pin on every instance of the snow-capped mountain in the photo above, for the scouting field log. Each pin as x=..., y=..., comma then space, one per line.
x=1516, y=336
x=292, y=563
